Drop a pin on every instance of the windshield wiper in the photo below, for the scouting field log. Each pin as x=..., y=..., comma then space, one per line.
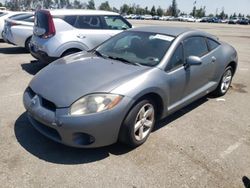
x=100, y=54
x=123, y=60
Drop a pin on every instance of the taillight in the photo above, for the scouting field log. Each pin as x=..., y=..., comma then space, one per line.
x=11, y=23
x=50, y=28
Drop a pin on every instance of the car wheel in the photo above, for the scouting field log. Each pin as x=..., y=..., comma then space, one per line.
x=138, y=124
x=27, y=44
x=225, y=82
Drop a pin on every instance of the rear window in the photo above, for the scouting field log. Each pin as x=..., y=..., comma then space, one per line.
x=195, y=46
x=21, y=16
x=41, y=20
x=212, y=44
x=71, y=20
x=2, y=13
x=88, y=22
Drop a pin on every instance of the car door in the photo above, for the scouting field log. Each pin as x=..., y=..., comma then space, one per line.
x=176, y=77
x=198, y=76
x=90, y=30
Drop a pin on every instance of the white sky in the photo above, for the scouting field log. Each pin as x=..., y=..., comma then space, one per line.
x=230, y=6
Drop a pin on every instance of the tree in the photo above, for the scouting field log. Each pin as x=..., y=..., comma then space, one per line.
x=105, y=6
x=124, y=9
x=114, y=9
x=174, y=8
x=201, y=12
x=153, y=12
x=194, y=11
x=1, y=4
x=222, y=15
x=159, y=11
x=91, y=4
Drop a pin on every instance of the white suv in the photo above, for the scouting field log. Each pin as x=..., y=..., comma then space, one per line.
x=58, y=33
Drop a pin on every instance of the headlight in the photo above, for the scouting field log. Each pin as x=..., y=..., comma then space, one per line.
x=94, y=103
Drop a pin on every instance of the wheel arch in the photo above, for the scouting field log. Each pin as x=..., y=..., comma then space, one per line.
x=233, y=64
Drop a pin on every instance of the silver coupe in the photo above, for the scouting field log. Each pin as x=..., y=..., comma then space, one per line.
x=118, y=91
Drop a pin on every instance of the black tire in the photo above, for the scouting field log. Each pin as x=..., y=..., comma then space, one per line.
x=27, y=44
x=218, y=92
x=127, y=134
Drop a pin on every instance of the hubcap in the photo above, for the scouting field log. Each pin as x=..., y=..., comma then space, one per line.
x=144, y=121
x=226, y=80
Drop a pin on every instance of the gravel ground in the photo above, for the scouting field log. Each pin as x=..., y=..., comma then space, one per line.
x=206, y=144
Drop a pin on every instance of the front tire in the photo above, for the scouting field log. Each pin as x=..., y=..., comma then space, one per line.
x=138, y=124
x=225, y=82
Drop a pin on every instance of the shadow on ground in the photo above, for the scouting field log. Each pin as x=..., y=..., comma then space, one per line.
x=180, y=113
x=50, y=151
x=53, y=152
x=33, y=67
x=13, y=50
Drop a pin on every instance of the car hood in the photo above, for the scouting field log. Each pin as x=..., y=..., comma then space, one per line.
x=70, y=78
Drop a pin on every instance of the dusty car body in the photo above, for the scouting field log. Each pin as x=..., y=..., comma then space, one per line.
x=119, y=90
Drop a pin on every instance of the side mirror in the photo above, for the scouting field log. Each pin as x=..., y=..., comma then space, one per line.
x=39, y=31
x=193, y=61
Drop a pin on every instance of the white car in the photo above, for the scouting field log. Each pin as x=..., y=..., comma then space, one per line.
x=18, y=30
x=4, y=15
x=58, y=33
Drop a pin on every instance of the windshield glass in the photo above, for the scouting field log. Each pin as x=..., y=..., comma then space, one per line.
x=143, y=48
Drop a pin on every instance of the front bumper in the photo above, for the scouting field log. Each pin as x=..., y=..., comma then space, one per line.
x=88, y=131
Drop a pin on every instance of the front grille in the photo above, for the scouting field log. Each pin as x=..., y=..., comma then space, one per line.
x=48, y=104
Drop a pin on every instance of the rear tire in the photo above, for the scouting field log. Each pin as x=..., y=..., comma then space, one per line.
x=27, y=44
x=225, y=82
x=138, y=124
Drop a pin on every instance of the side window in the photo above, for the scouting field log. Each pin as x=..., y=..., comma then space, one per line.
x=88, y=22
x=195, y=46
x=115, y=22
x=71, y=20
x=30, y=19
x=212, y=44
x=177, y=59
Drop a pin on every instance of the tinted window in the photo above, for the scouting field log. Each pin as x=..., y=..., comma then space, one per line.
x=22, y=16
x=115, y=22
x=88, y=22
x=195, y=46
x=177, y=59
x=2, y=13
x=41, y=20
x=139, y=47
x=212, y=44
x=70, y=20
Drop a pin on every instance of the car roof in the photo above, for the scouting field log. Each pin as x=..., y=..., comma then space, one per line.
x=63, y=12
x=172, y=31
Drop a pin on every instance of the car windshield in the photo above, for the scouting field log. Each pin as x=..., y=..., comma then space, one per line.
x=144, y=48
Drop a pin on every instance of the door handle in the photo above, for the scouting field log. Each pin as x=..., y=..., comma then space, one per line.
x=81, y=36
x=213, y=59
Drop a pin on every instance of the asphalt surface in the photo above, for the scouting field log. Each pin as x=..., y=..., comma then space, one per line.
x=206, y=144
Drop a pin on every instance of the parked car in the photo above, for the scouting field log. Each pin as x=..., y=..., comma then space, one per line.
x=4, y=15
x=120, y=89
x=233, y=20
x=58, y=33
x=164, y=18
x=186, y=18
x=147, y=17
x=18, y=30
x=243, y=21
